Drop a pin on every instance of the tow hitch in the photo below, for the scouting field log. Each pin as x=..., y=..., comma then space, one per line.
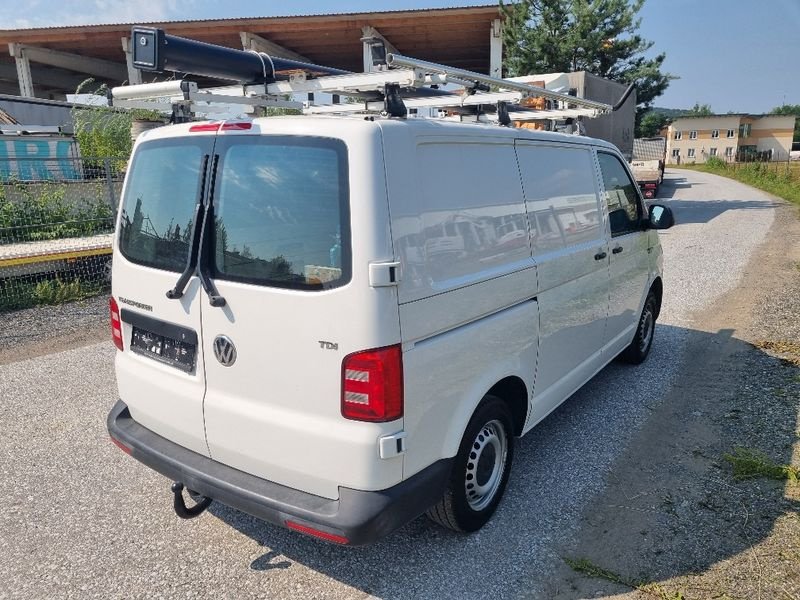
x=184, y=512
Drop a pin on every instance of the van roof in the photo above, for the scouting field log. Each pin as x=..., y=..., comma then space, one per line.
x=425, y=126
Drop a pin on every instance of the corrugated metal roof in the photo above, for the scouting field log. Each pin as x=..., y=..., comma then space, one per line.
x=233, y=20
x=458, y=36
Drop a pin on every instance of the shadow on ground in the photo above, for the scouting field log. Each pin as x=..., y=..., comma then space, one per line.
x=562, y=463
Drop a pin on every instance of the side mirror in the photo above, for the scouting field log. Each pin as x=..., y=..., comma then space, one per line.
x=661, y=217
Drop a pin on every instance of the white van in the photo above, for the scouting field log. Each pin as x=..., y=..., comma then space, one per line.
x=337, y=324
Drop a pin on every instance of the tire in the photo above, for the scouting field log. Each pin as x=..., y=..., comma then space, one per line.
x=637, y=352
x=485, y=455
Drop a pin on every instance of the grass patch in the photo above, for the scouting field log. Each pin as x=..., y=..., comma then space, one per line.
x=586, y=567
x=753, y=464
x=774, y=178
x=790, y=350
x=19, y=295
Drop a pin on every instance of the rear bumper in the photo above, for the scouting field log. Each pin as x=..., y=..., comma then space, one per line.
x=359, y=516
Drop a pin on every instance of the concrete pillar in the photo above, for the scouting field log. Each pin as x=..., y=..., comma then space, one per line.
x=369, y=33
x=134, y=74
x=23, y=71
x=496, y=48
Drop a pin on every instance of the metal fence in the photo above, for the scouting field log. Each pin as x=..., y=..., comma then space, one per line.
x=56, y=225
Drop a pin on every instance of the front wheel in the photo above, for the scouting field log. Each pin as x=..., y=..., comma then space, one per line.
x=480, y=469
x=637, y=352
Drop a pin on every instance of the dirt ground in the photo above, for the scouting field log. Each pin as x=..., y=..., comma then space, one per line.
x=673, y=522
x=44, y=330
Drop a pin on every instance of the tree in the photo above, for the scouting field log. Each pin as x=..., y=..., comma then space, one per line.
x=652, y=123
x=790, y=109
x=102, y=131
x=599, y=36
x=700, y=110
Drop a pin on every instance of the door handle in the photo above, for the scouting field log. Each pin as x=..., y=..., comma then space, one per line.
x=617, y=250
x=600, y=256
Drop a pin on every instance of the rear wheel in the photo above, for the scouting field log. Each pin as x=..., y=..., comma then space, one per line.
x=480, y=469
x=637, y=352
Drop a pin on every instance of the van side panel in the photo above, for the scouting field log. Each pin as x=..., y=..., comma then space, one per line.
x=446, y=376
x=468, y=314
x=460, y=222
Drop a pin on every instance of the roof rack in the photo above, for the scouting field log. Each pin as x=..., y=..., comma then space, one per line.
x=398, y=84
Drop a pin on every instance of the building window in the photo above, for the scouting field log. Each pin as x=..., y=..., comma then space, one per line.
x=714, y=133
x=692, y=135
x=744, y=130
x=690, y=153
x=728, y=151
x=712, y=151
x=678, y=135
x=676, y=152
x=731, y=133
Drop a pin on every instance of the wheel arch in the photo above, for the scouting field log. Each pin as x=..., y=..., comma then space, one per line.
x=513, y=391
x=657, y=287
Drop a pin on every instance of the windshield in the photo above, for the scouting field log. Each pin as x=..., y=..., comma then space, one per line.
x=282, y=212
x=162, y=189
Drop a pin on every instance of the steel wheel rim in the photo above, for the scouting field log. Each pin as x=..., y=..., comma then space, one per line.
x=485, y=465
x=647, y=329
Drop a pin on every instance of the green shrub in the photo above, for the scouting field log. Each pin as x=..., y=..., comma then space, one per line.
x=41, y=212
x=56, y=291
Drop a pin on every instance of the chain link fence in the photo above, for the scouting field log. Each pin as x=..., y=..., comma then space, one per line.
x=56, y=225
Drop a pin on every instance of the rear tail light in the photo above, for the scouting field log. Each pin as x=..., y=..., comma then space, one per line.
x=116, y=323
x=372, y=385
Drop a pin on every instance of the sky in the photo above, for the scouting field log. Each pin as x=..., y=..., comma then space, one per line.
x=735, y=55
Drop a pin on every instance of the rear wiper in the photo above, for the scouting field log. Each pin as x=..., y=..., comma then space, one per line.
x=177, y=291
x=208, y=221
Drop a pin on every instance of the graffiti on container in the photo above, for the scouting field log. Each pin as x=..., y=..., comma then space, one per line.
x=38, y=159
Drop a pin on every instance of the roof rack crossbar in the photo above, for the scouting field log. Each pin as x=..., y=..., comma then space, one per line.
x=503, y=84
x=400, y=84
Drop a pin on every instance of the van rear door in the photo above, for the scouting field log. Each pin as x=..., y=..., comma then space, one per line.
x=280, y=256
x=160, y=372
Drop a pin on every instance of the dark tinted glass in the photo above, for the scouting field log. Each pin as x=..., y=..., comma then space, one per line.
x=162, y=190
x=624, y=210
x=282, y=212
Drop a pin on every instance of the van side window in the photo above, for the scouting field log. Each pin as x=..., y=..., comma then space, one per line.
x=560, y=194
x=624, y=208
x=467, y=220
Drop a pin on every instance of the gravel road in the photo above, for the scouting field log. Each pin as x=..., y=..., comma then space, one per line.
x=81, y=519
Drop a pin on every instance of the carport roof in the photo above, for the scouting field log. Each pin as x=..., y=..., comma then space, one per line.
x=456, y=36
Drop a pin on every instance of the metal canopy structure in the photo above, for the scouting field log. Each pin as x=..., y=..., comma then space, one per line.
x=51, y=62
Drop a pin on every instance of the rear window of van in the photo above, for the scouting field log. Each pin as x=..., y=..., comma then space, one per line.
x=280, y=206
x=282, y=212
x=161, y=193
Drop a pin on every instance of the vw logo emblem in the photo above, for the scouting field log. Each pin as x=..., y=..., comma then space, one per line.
x=224, y=350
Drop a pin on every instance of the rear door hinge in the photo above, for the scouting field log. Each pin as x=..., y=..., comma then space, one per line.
x=383, y=274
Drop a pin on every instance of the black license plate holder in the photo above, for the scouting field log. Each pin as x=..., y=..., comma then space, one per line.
x=164, y=349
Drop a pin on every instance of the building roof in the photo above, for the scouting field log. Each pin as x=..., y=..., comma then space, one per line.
x=455, y=36
x=740, y=115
